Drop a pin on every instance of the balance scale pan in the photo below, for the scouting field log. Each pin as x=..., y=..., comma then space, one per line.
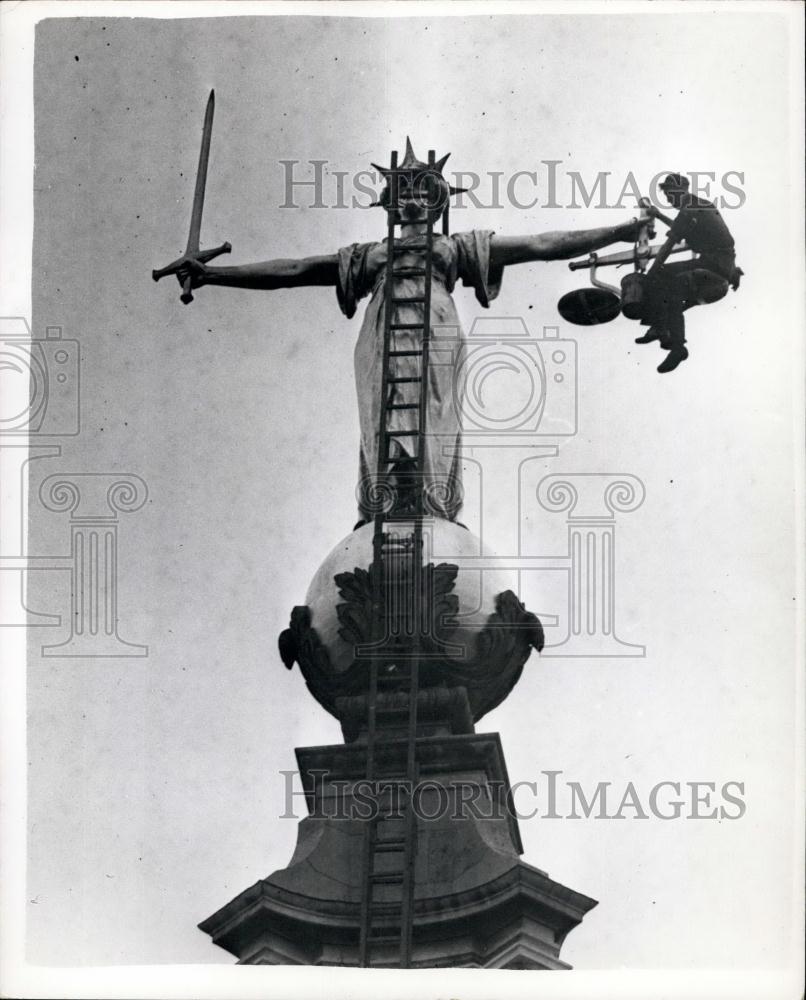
x=589, y=306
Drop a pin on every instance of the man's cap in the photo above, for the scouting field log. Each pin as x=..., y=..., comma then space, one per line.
x=674, y=182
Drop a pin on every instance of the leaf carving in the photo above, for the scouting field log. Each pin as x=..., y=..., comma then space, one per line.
x=355, y=614
x=502, y=647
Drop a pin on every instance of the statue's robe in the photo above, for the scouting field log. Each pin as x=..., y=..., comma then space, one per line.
x=362, y=272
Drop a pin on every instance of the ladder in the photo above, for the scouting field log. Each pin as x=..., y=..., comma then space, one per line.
x=390, y=837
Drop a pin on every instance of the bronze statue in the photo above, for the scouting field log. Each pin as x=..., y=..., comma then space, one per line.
x=476, y=258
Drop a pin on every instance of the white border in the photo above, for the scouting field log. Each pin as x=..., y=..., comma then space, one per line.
x=17, y=23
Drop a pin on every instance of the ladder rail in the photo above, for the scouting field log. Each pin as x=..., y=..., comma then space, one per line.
x=420, y=622
x=413, y=606
x=377, y=594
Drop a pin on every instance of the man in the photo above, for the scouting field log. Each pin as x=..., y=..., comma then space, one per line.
x=672, y=288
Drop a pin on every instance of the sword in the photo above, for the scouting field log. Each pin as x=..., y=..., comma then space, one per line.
x=192, y=251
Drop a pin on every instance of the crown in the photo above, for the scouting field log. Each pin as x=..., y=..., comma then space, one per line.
x=413, y=165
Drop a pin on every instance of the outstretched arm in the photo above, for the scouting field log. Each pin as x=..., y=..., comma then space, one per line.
x=655, y=213
x=268, y=274
x=507, y=250
x=663, y=253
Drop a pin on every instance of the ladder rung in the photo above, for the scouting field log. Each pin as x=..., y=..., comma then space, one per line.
x=405, y=354
x=401, y=434
x=387, y=878
x=406, y=326
x=408, y=300
x=409, y=272
x=389, y=845
x=409, y=247
x=385, y=938
x=402, y=406
x=407, y=378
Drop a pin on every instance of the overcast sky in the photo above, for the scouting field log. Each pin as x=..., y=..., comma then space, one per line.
x=154, y=784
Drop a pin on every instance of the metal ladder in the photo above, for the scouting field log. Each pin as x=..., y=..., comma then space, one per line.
x=390, y=840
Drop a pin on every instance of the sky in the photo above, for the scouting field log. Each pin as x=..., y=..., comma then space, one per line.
x=154, y=783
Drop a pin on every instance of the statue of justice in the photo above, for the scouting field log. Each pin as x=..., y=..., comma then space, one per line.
x=403, y=650
x=477, y=258
x=410, y=456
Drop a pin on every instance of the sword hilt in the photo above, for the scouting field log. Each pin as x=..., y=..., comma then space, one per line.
x=181, y=263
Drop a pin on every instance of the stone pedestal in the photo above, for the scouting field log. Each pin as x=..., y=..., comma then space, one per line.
x=476, y=905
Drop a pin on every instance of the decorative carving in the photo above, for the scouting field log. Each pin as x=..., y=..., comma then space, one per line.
x=437, y=608
x=501, y=648
x=300, y=643
x=355, y=614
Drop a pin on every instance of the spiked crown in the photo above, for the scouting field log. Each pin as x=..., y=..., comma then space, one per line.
x=414, y=167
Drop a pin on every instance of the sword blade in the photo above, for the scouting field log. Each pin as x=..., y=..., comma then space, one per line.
x=201, y=177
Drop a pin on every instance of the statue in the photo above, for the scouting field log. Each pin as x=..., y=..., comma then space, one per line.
x=477, y=258
x=406, y=652
x=327, y=635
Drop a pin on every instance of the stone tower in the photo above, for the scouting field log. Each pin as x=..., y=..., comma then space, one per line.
x=381, y=876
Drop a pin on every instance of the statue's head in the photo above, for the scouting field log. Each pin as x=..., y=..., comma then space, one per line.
x=419, y=187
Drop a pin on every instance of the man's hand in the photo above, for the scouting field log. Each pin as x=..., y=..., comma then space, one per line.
x=648, y=208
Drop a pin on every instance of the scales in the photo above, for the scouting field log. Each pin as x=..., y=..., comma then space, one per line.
x=602, y=303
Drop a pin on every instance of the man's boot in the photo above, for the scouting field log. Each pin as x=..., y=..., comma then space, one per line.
x=673, y=358
x=653, y=333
